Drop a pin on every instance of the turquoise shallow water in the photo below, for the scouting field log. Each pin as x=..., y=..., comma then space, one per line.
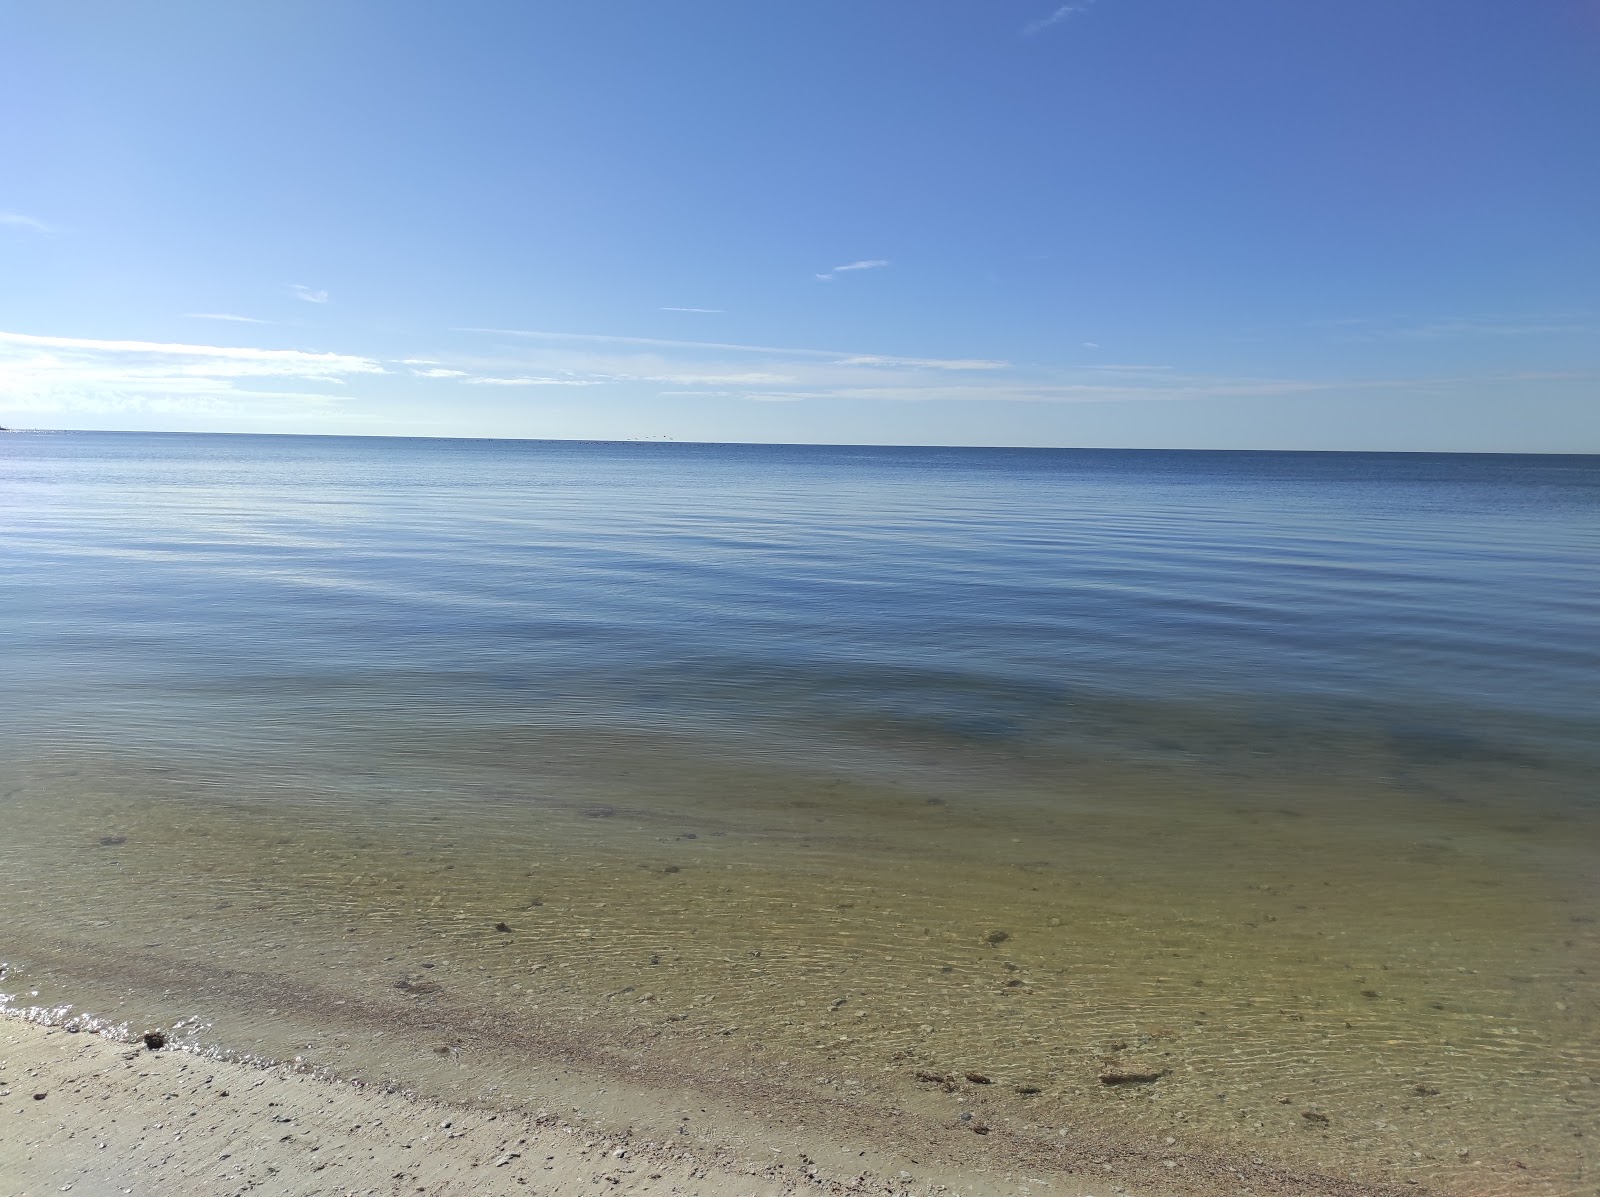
x=1224, y=742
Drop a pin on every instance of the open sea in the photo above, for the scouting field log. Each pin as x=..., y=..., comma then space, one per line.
x=1273, y=775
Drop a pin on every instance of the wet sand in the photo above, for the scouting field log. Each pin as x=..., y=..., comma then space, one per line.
x=90, y=1114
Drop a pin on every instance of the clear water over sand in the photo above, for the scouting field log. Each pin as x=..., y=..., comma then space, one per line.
x=1273, y=774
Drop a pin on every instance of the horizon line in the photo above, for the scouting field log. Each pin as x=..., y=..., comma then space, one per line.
x=665, y=440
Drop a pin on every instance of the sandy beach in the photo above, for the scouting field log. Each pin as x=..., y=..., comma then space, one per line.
x=87, y=1114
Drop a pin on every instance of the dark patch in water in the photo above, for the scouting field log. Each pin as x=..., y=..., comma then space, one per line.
x=1419, y=745
x=983, y=729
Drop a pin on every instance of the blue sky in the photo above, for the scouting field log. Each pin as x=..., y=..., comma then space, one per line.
x=1372, y=224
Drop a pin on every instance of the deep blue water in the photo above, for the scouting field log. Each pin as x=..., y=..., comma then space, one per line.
x=1384, y=614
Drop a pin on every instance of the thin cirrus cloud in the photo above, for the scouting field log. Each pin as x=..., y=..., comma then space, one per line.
x=706, y=369
x=632, y=345
x=1061, y=13
x=16, y=220
x=925, y=363
x=63, y=374
x=308, y=294
x=77, y=374
x=863, y=264
x=288, y=388
x=684, y=369
x=703, y=311
x=528, y=381
x=228, y=316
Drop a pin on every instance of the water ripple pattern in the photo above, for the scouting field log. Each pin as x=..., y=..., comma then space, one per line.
x=1270, y=774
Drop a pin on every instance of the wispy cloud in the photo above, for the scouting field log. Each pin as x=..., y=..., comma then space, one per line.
x=308, y=294
x=704, y=311
x=46, y=373
x=671, y=369
x=748, y=379
x=864, y=264
x=236, y=360
x=17, y=220
x=924, y=363
x=1076, y=8
x=51, y=373
x=527, y=381
x=843, y=356
x=229, y=316
x=677, y=369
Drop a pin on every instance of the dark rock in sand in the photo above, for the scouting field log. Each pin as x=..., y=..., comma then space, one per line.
x=672, y=869
x=996, y=937
x=155, y=1040
x=977, y=1078
x=40, y=1096
x=504, y=927
x=1129, y=1076
x=113, y=841
x=1313, y=1116
x=1028, y=1090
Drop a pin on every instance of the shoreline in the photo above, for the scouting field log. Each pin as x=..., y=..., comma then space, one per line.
x=120, y=1118
x=630, y=1001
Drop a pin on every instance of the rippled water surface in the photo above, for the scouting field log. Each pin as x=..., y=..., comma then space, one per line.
x=1270, y=773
